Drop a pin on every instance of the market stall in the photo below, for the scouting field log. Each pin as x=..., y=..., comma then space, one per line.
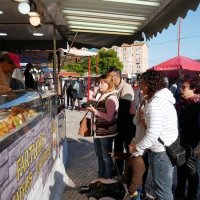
x=30, y=167
x=173, y=67
x=29, y=143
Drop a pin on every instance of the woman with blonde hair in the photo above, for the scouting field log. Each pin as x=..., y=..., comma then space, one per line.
x=105, y=124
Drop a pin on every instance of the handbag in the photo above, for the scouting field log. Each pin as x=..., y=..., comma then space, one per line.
x=85, y=126
x=105, y=189
x=177, y=152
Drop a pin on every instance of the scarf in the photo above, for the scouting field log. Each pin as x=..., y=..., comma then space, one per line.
x=185, y=102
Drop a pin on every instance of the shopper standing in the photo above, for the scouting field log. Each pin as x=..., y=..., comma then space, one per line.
x=161, y=121
x=105, y=125
x=189, y=127
x=81, y=92
x=126, y=128
x=68, y=85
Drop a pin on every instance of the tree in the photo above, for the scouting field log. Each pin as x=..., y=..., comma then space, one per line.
x=106, y=59
x=76, y=67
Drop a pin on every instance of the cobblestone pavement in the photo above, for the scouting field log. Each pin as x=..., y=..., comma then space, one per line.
x=82, y=163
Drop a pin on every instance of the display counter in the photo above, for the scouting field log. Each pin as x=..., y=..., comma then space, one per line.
x=29, y=142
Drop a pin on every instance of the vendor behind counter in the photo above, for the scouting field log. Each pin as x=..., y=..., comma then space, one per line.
x=8, y=63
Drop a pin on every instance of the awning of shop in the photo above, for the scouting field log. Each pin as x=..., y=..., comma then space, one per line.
x=99, y=23
x=76, y=52
x=113, y=22
x=176, y=65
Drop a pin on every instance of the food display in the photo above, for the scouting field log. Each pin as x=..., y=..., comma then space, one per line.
x=18, y=109
x=14, y=119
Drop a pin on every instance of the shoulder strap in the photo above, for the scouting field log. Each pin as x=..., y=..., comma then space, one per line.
x=159, y=140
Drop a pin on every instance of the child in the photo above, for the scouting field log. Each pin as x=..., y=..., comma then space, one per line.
x=133, y=174
x=135, y=167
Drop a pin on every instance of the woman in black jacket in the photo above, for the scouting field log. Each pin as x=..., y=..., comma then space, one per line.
x=189, y=126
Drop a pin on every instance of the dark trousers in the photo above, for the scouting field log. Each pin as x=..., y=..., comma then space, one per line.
x=187, y=172
x=69, y=99
x=122, y=141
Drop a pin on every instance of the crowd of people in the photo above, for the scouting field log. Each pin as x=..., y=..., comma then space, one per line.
x=130, y=119
x=75, y=90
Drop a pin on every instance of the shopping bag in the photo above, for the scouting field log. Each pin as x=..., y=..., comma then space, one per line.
x=85, y=127
x=177, y=152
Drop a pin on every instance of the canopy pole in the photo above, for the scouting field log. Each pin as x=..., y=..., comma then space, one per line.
x=54, y=61
x=88, y=83
x=69, y=49
x=179, y=34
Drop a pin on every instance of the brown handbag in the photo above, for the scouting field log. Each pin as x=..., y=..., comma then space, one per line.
x=85, y=127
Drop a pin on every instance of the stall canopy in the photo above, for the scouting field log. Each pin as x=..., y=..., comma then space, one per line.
x=172, y=67
x=76, y=52
x=89, y=23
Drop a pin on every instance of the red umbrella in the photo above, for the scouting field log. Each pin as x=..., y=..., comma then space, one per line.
x=172, y=67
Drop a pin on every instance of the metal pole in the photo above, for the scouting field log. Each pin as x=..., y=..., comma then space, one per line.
x=55, y=61
x=179, y=34
x=88, y=83
x=69, y=49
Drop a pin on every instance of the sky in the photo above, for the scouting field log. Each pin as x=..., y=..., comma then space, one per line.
x=165, y=45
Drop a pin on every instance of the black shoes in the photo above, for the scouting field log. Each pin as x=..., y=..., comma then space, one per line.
x=84, y=189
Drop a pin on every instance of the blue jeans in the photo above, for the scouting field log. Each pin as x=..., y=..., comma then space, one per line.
x=162, y=172
x=103, y=148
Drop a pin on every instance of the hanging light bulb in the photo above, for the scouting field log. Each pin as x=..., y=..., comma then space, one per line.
x=24, y=8
x=35, y=21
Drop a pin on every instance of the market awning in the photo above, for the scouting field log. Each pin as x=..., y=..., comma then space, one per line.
x=113, y=22
x=76, y=52
x=99, y=23
x=173, y=66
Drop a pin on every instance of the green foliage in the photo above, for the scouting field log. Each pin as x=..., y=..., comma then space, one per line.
x=74, y=68
x=106, y=59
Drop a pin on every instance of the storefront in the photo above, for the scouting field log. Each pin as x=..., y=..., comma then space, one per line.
x=32, y=143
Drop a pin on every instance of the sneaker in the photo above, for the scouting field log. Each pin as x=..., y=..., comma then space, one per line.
x=84, y=189
x=146, y=196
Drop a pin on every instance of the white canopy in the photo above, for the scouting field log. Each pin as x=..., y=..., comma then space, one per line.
x=76, y=52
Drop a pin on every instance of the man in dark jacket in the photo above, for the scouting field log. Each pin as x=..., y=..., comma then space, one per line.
x=126, y=128
x=69, y=85
x=29, y=80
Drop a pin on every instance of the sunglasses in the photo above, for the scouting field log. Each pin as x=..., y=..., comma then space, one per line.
x=184, y=86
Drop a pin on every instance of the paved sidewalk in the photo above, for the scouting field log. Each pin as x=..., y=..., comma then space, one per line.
x=82, y=162
x=82, y=166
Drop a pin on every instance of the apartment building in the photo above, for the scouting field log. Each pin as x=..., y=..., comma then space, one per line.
x=134, y=57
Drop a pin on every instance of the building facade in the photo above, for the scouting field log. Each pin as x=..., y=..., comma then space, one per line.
x=134, y=57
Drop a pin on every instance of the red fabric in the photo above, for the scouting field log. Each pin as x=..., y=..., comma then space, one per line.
x=172, y=66
x=15, y=59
